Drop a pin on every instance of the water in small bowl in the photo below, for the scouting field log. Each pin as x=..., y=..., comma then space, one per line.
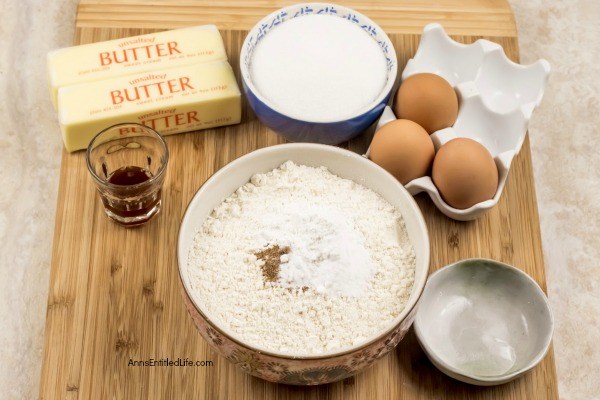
x=479, y=339
x=483, y=322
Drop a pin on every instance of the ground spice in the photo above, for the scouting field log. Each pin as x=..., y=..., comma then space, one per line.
x=271, y=257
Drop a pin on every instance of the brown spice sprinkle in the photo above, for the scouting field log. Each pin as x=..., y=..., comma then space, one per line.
x=272, y=261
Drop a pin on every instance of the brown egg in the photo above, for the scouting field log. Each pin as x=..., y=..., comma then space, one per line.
x=404, y=149
x=427, y=99
x=465, y=173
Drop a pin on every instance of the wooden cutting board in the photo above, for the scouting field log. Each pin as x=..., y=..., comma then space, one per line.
x=114, y=293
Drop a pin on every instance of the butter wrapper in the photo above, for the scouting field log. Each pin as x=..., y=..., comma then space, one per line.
x=169, y=101
x=109, y=59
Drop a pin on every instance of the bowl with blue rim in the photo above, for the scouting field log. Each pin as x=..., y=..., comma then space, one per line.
x=292, y=125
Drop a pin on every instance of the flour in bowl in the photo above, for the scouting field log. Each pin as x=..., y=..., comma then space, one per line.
x=302, y=261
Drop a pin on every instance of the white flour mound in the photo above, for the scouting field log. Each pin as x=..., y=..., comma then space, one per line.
x=348, y=274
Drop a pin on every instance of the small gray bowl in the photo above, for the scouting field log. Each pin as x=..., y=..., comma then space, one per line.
x=483, y=322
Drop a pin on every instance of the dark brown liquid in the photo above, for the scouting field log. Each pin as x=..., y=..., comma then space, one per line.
x=132, y=202
x=127, y=176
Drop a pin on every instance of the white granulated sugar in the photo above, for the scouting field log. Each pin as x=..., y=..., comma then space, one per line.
x=348, y=273
x=318, y=67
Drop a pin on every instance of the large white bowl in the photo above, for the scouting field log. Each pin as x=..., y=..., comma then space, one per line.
x=302, y=368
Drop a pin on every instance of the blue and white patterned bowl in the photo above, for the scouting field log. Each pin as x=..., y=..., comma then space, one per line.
x=298, y=130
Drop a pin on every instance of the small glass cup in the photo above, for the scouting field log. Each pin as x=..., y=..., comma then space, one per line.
x=128, y=163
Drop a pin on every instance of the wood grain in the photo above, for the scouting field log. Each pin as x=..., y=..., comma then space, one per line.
x=114, y=293
x=459, y=17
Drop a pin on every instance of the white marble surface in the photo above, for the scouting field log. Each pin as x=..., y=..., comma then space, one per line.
x=565, y=144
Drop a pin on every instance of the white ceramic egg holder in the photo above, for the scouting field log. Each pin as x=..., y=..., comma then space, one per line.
x=496, y=99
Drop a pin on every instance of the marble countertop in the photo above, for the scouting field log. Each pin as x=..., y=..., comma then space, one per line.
x=564, y=139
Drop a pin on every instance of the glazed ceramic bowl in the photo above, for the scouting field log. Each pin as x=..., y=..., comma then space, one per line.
x=302, y=369
x=483, y=322
x=296, y=129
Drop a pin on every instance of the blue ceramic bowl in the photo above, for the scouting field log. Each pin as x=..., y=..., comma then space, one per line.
x=300, y=130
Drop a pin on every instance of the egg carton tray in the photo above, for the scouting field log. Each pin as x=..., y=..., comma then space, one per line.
x=496, y=99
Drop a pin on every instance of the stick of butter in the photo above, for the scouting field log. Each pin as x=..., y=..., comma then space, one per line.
x=102, y=60
x=170, y=101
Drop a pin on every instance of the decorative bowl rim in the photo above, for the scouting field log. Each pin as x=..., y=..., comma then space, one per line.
x=383, y=94
x=418, y=285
